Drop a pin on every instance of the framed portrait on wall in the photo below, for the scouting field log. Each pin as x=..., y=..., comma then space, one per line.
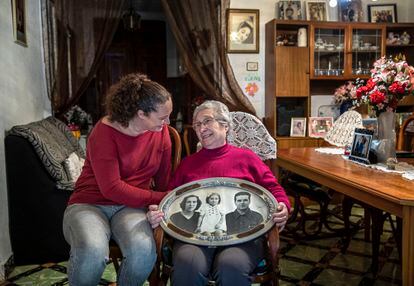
x=382, y=13
x=290, y=9
x=242, y=31
x=316, y=10
x=19, y=21
x=205, y=212
x=350, y=11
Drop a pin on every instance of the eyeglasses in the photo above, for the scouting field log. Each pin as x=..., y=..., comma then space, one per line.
x=207, y=122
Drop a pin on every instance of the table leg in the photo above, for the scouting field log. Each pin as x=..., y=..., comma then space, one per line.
x=408, y=246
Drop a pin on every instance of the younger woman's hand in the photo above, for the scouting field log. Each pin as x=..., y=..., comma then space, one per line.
x=154, y=216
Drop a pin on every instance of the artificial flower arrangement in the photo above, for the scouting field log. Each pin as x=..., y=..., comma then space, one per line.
x=345, y=93
x=391, y=80
x=78, y=119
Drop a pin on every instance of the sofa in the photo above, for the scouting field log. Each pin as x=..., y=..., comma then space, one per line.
x=39, y=185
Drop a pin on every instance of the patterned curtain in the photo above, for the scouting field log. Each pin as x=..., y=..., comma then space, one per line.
x=199, y=29
x=76, y=35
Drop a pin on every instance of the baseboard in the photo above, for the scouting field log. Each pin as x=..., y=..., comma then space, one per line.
x=6, y=268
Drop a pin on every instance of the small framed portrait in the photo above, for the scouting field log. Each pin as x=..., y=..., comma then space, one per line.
x=242, y=31
x=316, y=10
x=206, y=212
x=298, y=127
x=350, y=11
x=19, y=21
x=290, y=9
x=252, y=66
x=319, y=126
x=382, y=13
x=361, y=145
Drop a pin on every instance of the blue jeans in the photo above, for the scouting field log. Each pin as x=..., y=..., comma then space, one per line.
x=88, y=229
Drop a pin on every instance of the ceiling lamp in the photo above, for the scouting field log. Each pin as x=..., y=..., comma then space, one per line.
x=131, y=19
x=333, y=3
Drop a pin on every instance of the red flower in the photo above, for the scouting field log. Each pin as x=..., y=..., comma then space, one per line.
x=370, y=84
x=377, y=97
x=397, y=88
x=361, y=91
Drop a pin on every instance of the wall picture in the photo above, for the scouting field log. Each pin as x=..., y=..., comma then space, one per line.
x=19, y=21
x=316, y=10
x=290, y=9
x=298, y=127
x=242, y=31
x=350, y=11
x=382, y=13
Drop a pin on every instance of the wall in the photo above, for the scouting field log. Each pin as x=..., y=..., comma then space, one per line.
x=22, y=94
x=405, y=13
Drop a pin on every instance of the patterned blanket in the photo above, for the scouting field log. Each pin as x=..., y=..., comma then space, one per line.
x=53, y=143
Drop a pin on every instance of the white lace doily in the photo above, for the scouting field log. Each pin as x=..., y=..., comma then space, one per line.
x=342, y=132
x=249, y=132
x=328, y=150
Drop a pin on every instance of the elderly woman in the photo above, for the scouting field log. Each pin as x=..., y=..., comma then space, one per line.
x=231, y=265
x=187, y=218
x=127, y=149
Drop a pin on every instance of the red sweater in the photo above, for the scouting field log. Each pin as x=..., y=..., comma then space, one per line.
x=118, y=168
x=231, y=162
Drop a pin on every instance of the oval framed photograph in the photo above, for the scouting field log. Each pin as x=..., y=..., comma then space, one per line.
x=218, y=211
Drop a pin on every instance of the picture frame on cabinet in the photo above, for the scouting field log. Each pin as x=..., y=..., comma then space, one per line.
x=350, y=11
x=298, y=127
x=289, y=9
x=382, y=13
x=319, y=126
x=317, y=10
x=242, y=31
x=361, y=145
x=19, y=21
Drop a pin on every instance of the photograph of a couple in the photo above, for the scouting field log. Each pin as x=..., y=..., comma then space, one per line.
x=218, y=214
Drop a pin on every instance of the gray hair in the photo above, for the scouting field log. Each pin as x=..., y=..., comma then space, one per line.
x=221, y=111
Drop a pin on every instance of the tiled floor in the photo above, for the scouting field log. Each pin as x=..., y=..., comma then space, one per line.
x=303, y=262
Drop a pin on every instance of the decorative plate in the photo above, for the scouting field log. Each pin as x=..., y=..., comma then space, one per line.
x=218, y=211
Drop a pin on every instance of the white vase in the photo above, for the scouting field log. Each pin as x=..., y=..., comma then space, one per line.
x=385, y=148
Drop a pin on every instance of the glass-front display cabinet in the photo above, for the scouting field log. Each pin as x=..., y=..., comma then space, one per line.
x=367, y=47
x=345, y=51
x=328, y=53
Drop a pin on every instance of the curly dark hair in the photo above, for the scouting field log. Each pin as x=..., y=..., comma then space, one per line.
x=184, y=201
x=132, y=93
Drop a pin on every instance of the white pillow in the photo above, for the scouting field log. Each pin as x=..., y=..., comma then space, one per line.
x=73, y=166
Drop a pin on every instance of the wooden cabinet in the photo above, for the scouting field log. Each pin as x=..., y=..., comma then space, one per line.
x=334, y=53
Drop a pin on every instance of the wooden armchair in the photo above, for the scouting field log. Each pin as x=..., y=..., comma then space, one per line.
x=247, y=132
x=403, y=142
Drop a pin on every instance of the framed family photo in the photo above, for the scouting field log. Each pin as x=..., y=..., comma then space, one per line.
x=290, y=9
x=298, y=127
x=242, y=31
x=382, y=13
x=316, y=10
x=205, y=212
x=361, y=145
x=350, y=11
x=319, y=126
x=19, y=21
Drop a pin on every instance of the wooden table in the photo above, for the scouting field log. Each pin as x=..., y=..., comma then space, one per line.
x=386, y=191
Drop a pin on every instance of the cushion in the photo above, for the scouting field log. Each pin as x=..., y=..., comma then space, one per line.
x=73, y=166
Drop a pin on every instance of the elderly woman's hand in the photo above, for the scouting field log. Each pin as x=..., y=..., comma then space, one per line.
x=280, y=216
x=154, y=215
